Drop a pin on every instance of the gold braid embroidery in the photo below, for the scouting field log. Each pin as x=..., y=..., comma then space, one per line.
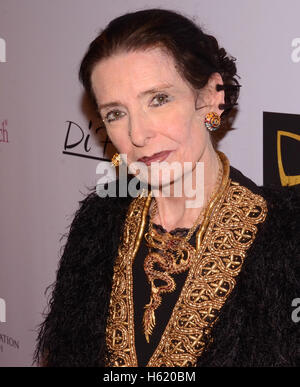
x=222, y=243
x=120, y=324
x=167, y=255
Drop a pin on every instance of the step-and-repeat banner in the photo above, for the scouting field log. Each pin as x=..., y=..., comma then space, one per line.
x=51, y=143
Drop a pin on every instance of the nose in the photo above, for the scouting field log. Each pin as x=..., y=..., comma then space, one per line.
x=141, y=129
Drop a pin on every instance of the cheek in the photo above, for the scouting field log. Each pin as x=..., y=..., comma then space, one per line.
x=194, y=138
x=119, y=140
x=189, y=130
x=178, y=126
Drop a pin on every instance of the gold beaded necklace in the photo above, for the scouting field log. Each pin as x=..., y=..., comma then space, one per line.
x=173, y=254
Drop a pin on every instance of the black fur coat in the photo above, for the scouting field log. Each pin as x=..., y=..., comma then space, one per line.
x=255, y=327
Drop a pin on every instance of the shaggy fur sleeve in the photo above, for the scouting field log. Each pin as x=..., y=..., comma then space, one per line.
x=255, y=326
x=73, y=332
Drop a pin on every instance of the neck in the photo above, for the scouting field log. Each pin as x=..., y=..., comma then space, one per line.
x=173, y=212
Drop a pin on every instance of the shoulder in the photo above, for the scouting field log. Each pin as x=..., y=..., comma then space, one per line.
x=283, y=202
x=283, y=199
x=93, y=235
x=276, y=247
x=96, y=210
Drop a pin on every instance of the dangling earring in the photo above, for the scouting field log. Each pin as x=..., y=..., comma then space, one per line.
x=212, y=121
x=116, y=160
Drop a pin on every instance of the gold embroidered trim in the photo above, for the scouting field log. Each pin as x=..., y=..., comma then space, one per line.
x=120, y=324
x=221, y=249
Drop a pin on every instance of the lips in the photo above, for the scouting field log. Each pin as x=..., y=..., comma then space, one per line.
x=158, y=157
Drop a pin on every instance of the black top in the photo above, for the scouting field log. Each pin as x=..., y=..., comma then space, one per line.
x=141, y=297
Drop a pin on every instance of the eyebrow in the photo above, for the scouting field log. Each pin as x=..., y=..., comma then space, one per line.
x=141, y=94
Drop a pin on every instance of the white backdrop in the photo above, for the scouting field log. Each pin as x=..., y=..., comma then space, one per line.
x=41, y=45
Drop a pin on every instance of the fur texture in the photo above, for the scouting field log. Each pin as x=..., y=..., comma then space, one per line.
x=73, y=332
x=254, y=328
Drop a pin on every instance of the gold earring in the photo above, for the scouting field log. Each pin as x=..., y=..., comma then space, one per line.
x=212, y=121
x=116, y=160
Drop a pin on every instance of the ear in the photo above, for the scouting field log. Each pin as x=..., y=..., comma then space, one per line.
x=211, y=97
x=216, y=97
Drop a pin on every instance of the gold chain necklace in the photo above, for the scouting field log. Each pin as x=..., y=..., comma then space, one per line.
x=173, y=254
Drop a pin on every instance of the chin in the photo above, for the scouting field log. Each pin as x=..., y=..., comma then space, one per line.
x=167, y=185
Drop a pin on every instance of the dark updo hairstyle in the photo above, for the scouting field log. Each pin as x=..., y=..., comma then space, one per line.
x=196, y=54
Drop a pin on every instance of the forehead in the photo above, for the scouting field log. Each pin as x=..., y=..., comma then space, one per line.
x=134, y=72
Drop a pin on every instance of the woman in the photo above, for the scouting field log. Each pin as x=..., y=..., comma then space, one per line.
x=151, y=281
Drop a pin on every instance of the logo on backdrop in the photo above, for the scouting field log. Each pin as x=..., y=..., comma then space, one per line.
x=4, y=131
x=9, y=341
x=2, y=311
x=2, y=50
x=295, y=56
x=77, y=141
x=5, y=339
x=281, y=145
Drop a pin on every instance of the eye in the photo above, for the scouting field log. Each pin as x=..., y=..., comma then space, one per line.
x=160, y=99
x=113, y=115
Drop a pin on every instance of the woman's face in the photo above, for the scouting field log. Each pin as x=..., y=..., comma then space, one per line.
x=149, y=109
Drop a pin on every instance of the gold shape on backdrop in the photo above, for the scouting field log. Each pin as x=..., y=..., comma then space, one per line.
x=285, y=179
